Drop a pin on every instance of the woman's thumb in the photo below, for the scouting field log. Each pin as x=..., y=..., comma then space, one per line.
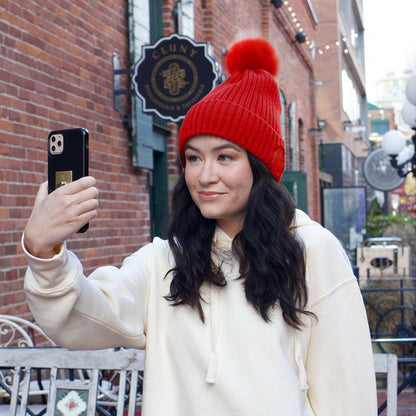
x=42, y=193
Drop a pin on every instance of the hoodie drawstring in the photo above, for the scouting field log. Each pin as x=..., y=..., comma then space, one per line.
x=302, y=338
x=300, y=362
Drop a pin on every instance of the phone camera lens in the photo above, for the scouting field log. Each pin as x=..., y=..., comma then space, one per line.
x=53, y=139
x=53, y=148
x=59, y=143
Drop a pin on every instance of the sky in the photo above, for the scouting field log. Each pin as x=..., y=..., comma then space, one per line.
x=390, y=38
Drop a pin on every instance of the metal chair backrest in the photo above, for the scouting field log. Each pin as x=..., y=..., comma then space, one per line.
x=19, y=332
x=67, y=390
x=387, y=363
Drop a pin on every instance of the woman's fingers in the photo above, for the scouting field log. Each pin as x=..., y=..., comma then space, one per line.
x=85, y=195
x=78, y=186
x=76, y=198
x=42, y=194
x=83, y=211
x=78, y=201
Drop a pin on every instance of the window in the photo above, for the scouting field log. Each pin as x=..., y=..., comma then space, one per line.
x=301, y=142
x=380, y=126
x=292, y=135
x=283, y=124
x=350, y=97
x=149, y=134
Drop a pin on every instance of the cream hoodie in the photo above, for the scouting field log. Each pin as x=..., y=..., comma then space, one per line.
x=235, y=364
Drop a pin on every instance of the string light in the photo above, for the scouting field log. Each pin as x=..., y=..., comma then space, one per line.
x=336, y=44
x=295, y=19
x=319, y=50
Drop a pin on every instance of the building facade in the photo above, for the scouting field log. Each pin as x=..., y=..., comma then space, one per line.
x=391, y=94
x=60, y=68
x=380, y=121
x=341, y=96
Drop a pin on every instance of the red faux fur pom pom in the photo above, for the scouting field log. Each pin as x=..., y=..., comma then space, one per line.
x=252, y=54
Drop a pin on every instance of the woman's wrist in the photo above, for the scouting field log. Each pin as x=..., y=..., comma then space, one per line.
x=40, y=252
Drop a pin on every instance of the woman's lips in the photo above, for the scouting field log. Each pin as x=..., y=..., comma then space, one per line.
x=209, y=196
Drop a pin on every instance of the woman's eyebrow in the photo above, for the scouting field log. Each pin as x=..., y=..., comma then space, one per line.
x=188, y=146
x=228, y=146
x=217, y=148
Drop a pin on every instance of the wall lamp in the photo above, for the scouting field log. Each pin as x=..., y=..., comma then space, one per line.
x=300, y=37
x=277, y=3
x=402, y=157
x=320, y=124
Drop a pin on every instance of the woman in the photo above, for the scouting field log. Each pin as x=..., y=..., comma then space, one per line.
x=248, y=308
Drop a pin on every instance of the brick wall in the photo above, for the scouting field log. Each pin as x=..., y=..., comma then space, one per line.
x=56, y=72
x=296, y=80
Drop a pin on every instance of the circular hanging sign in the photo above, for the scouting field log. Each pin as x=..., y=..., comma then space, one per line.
x=379, y=173
x=173, y=75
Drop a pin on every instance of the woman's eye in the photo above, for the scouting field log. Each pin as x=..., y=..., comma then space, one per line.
x=191, y=158
x=224, y=158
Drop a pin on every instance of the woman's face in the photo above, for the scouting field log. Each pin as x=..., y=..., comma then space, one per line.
x=219, y=178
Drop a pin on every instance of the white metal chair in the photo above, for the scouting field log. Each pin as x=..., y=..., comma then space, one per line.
x=19, y=332
x=387, y=363
x=68, y=394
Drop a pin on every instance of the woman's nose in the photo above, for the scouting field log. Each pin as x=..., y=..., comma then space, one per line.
x=208, y=173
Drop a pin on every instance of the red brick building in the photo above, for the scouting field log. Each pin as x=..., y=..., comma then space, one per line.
x=57, y=72
x=341, y=101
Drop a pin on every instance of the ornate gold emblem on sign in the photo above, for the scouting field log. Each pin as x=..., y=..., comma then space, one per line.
x=173, y=75
x=174, y=79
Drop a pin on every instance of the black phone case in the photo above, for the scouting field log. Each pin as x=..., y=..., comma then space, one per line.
x=68, y=161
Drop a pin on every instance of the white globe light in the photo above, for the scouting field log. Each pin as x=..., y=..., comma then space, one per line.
x=393, y=142
x=411, y=89
x=405, y=154
x=409, y=113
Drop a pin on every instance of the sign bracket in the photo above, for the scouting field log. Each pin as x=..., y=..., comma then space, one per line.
x=118, y=91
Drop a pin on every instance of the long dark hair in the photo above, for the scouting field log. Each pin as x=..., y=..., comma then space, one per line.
x=272, y=260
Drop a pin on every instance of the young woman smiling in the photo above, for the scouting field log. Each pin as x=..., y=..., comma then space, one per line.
x=249, y=307
x=219, y=178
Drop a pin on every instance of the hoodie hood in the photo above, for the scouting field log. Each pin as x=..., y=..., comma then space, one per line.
x=302, y=219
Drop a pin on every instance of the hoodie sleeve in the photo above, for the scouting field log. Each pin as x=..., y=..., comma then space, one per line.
x=107, y=309
x=339, y=362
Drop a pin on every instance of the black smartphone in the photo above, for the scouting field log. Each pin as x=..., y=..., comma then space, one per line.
x=67, y=158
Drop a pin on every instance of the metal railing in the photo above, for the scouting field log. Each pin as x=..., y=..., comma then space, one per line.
x=391, y=309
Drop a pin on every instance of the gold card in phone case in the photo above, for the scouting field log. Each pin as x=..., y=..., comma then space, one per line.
x=62, y=177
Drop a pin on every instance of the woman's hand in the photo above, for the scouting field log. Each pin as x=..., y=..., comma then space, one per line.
x=57, y=216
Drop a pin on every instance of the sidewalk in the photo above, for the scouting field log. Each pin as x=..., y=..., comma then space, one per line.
x=406, y=403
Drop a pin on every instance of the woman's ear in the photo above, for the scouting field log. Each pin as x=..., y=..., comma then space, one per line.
x=278, y=162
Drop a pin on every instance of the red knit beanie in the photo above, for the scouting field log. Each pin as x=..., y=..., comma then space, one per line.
x=245, y=109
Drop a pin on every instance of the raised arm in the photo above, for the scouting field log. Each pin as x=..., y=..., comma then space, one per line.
x=107, y=309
